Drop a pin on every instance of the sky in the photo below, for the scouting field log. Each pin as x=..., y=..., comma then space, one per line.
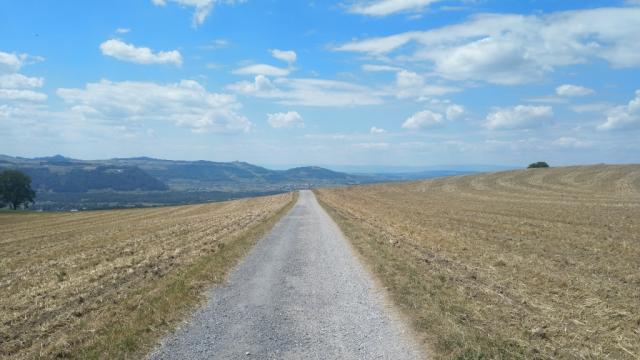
x=354, y=82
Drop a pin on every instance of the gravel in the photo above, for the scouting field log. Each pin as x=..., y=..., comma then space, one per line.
x=300, y=294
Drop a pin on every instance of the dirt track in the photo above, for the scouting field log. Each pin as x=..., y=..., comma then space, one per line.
x=301, y=293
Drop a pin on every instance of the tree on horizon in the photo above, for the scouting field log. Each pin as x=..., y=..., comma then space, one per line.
x=15, y=189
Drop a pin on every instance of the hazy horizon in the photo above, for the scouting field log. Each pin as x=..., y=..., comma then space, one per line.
x=357, y=83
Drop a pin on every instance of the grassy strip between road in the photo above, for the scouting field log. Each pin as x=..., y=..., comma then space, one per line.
x=153, y=266
x=151, y=312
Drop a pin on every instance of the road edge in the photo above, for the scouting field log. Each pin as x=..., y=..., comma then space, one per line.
x=403, y=319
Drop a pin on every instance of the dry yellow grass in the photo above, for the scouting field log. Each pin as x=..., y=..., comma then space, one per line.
x=106, y=284
x=541, y=263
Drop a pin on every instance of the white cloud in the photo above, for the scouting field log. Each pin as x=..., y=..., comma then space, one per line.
x=202, y=7
x=139, y=55
x=380, y=45
x=514, y=49
x=261, y=87
x=388, y=7
x=518, y=117
x=380, y=68
x=422, y=120
x=281, y=120
x=454, y=111
x=573, y=90
x=186, y=104
x=22, y=95
x=13, y=85
x=375, y=130
x=122, y=30
x=285, y=55
x=11, y=63
x=409, y=84
x=19, y=81
x=308, y=92
x=623, y=117
x=262, y=69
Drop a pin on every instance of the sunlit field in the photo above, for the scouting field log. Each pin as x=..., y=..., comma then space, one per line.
x=536, y=263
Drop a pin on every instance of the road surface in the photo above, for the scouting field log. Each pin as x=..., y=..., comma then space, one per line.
x=301, y=293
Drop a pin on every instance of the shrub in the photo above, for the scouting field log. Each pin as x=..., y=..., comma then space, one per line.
x=539, y=164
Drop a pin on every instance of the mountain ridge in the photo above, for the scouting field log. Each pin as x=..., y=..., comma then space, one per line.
x=63, y=182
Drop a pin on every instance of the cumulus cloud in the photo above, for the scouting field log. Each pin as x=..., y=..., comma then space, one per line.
x=518, y=117
x=573, y=90
x=409, y=84
x=186, y=104
x=22, y=95
x=11, y=63
x=514, y=49
x=261, y=86
x=123, y=30
x=281, y=120
x=16, y=87
x=307, y=92
x=422, y=120
x=289, y=56
x=202, y=7
x=262, y=69
x=623, y=117
x=139, y=55
x=454, y=111
x=375, y=130
x=19, y=81
x=388, y=7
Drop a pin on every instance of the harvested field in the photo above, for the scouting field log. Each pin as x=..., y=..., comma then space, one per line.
x=107, y=284
x=531, y=264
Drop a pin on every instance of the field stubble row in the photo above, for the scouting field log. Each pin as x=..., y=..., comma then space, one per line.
x=105, y=284
x=525, y=264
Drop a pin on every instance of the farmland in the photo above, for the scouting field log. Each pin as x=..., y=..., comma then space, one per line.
x=107, y=284
x=534, y=264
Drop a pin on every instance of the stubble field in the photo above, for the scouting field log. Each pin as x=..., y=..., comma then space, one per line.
x=107, y=284
x=531, y=264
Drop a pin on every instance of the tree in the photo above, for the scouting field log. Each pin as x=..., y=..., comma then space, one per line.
x=539, y=164
x=15, y=189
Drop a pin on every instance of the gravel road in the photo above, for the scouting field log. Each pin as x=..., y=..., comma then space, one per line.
x=300, y=294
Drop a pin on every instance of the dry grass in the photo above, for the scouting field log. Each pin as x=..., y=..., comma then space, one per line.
x=107, y=284
x=533, y=264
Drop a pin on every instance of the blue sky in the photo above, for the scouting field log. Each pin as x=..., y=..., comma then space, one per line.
x=352, y=82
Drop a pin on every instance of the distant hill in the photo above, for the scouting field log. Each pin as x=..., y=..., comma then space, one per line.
x=62, y=182
x=65, y=183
